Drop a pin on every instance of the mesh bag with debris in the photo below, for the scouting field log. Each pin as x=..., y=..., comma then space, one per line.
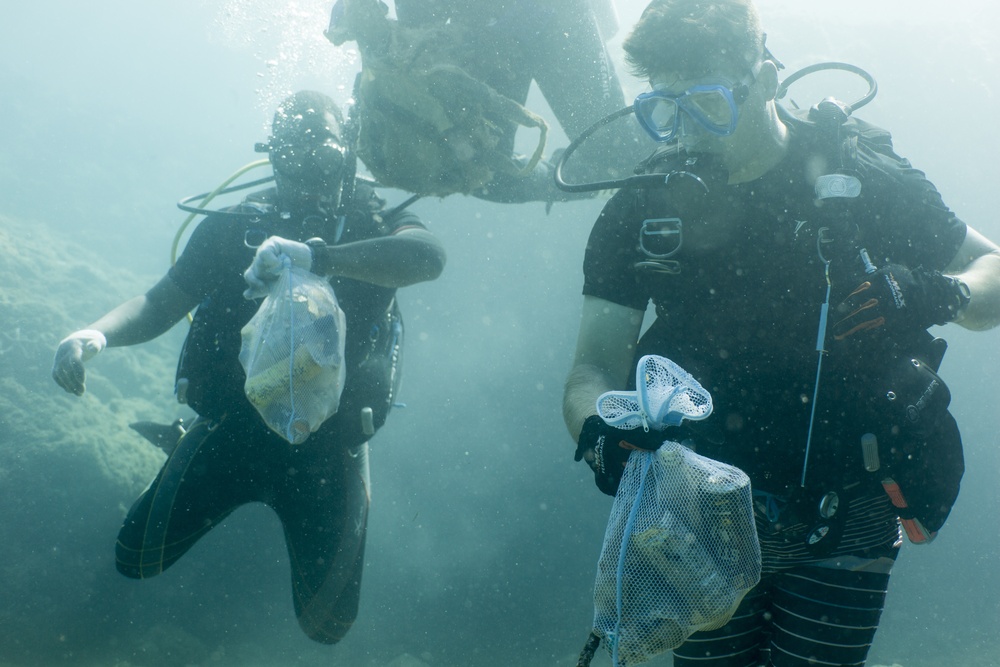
x=293, y=355
x=426, y=125
x=681, y=549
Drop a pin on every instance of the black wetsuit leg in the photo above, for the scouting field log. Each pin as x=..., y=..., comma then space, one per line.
x=562, y=50
x=574, y=72
x=501, y=64
x=202, y=481
x=319, y=491
x=323, y=506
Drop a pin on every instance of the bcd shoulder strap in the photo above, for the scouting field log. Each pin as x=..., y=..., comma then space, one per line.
x=919, y=459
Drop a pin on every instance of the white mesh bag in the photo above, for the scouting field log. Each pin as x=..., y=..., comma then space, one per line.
x=665, y=395
x=293, y=354
x=681, y=549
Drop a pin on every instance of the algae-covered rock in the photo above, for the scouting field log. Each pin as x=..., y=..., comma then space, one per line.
x=49, y=290
x=69, y=466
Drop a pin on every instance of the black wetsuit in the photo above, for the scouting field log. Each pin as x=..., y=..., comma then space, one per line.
x=229, y=457
x=507, y=44
x=738, y=294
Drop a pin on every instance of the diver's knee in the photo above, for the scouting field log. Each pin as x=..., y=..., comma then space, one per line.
x=129, y=570
x=132, y=564
x=331, y=631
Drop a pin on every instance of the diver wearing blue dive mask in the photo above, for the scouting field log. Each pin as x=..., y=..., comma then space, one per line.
x=711, y=107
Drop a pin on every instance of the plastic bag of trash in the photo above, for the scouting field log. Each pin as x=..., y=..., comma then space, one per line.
x=293, y=355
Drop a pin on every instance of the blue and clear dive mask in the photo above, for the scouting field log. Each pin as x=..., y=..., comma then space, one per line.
x=712, y=106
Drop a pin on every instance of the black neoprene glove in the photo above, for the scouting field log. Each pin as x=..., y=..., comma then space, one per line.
x=897, y=299
x=606, y=448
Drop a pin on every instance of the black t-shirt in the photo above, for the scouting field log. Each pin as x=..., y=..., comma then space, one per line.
x=211, y=269
x=738, y=292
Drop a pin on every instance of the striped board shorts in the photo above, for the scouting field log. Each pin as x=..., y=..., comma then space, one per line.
x=807, y=610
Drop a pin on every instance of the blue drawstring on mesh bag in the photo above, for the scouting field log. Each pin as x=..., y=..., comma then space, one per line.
x=680, y=550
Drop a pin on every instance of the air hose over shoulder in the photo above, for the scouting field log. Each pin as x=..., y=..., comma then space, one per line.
x=206, y=197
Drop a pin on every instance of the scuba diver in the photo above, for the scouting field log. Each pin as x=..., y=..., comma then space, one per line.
x=480, y=59
x=795, y=263
x=321, y=219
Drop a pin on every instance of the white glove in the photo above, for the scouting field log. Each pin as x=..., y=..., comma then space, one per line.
x=73, y=351
x=269, y=261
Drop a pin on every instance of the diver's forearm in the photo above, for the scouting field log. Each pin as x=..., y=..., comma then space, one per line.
x=392, y=261
x=128, y=324
x=147, y=316
x=584, y=385
x=982, y=276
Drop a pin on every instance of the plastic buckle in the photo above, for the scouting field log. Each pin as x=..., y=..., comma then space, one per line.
x=914, y=529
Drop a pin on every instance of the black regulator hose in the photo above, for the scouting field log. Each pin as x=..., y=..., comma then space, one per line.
x=573, y=145
x=185, y=204
x=637, y=180
x=847, y=67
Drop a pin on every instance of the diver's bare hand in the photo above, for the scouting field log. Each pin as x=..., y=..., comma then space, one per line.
x=74, y=350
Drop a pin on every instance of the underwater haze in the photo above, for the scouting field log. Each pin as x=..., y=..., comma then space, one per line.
x=484, y=535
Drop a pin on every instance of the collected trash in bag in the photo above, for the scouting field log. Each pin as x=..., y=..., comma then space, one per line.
x=426, y=125
x=293, y=355
x=681, y=549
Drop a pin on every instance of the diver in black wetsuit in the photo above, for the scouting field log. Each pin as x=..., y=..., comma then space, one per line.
x=795, y=262
x=228, y=457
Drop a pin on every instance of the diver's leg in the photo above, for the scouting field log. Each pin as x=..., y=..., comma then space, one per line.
x=500, y=65
x=324, y=512
x=196, y=488
x=574, y=71
x=508, y=186
x=500, y=60
x=736, y=644
x=827, y=614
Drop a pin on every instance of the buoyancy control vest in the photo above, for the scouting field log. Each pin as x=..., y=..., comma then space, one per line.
x=914, y=446
x=900, y=434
